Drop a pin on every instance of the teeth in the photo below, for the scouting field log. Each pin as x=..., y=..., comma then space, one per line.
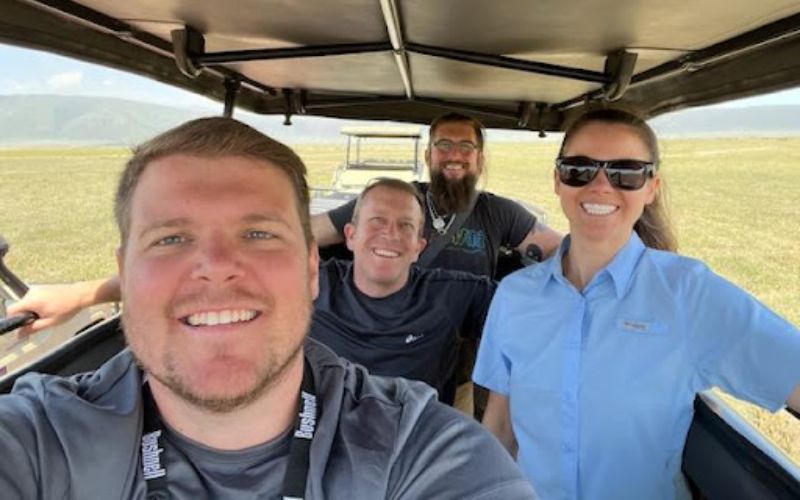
x=385, y=253
x=454, y=166
x=598, y=209
x=226, y=317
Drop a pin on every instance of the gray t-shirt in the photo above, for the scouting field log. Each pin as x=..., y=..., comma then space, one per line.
x=79, y=438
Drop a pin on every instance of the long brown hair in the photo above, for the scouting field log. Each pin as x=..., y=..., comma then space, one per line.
x=654, y=226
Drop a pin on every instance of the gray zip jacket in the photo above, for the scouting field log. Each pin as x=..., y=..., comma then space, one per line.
x=79, y=438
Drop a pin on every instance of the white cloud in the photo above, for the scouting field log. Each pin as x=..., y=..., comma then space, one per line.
x=65, y=81
x=12, y=87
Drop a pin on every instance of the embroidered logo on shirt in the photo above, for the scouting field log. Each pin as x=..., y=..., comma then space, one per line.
x=643, y=326
x=468, y=241
x=413, y=338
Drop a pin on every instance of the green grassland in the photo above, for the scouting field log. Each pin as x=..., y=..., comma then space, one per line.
x=735, y=203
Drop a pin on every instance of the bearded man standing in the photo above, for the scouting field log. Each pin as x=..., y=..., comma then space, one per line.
x=456, y=159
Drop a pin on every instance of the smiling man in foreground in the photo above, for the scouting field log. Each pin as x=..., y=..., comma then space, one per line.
x=220, y=394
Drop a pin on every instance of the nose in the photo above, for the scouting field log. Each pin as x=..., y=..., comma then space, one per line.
x=601, y=182
x=217, y=261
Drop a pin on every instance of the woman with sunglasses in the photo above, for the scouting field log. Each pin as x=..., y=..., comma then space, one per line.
x=594, y=357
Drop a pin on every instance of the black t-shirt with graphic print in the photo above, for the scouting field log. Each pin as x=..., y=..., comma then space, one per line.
x=495, y=222
x=411, y=333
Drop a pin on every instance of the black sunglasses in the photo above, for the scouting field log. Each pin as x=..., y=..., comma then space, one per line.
x=630, y=175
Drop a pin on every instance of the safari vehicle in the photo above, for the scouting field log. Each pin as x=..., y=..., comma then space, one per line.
x=359, y=167
x=515, y=65
x=371, y=152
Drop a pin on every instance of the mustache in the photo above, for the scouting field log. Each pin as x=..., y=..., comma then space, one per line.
x=238, y=297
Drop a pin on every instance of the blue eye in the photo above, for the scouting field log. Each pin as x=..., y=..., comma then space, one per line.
x=260, y=235
x=173, y=239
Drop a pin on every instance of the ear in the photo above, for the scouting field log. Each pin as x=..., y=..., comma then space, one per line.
x=421, y=244
x=652, y=188
x=349, y=233
x=481, y=160
x=428, y=156
x=313, y=270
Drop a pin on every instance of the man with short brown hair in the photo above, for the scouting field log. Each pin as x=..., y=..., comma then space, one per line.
x=220, y=394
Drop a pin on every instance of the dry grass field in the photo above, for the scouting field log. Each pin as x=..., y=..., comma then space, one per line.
x=735, y=203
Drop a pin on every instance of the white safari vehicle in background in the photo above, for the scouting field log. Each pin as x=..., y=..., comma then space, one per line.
x=371, y=152
x=515, y=64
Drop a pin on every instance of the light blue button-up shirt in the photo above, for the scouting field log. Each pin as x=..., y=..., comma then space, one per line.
x=601, y=382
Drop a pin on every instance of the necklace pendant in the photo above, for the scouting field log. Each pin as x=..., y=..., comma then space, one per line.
x=438, y=224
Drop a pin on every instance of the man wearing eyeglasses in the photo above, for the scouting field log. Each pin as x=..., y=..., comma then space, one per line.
x=465, y=228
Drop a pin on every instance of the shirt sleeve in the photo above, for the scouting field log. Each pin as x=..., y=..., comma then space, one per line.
x=449, y=456
x=19, y=476
x=515, y=219
x=342, y=214
x=740, y=345
x=492, y=366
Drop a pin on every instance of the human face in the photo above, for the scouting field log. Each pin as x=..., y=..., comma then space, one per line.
x=385, y=240
x=598, y=212
x=217, y=279
x=454, y=164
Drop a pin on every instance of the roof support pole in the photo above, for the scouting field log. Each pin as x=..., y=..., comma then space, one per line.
x=509, y=63
x=231, y=87
x=391, y=17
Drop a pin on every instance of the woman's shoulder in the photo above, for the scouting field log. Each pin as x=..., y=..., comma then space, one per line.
x=527, y=279
x=676, y=268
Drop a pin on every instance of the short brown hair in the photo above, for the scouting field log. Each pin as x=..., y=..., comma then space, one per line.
x=476, y=125
x=212, y=137
x=395, y=184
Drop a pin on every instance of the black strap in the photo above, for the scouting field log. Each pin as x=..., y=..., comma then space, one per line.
x=440, y=241
x=294, y=482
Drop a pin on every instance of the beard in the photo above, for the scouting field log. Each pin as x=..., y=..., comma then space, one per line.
x=168, y=366
x=452, y=195
x=269, y=377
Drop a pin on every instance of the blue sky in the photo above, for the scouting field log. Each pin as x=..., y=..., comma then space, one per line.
x=27, y=71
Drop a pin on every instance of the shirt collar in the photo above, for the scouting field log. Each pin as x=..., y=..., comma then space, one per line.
x=620, y=268
x=551, y=268
x=623, y=264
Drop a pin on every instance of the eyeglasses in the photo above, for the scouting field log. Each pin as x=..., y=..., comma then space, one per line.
x=464, y=147
x=629, y=175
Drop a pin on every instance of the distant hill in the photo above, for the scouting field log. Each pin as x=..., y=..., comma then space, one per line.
x=53, y=119
x=756, y=120
x=31, y=120
x=73, y=120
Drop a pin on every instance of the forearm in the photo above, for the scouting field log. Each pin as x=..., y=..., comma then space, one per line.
x=324, y=231
x=56, y=304
x=101, y=291
x=497, y=419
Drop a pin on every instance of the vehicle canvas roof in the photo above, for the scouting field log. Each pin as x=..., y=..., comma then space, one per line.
x=513, y=64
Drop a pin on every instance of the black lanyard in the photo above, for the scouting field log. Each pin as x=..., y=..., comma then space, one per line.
x=294, y=482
